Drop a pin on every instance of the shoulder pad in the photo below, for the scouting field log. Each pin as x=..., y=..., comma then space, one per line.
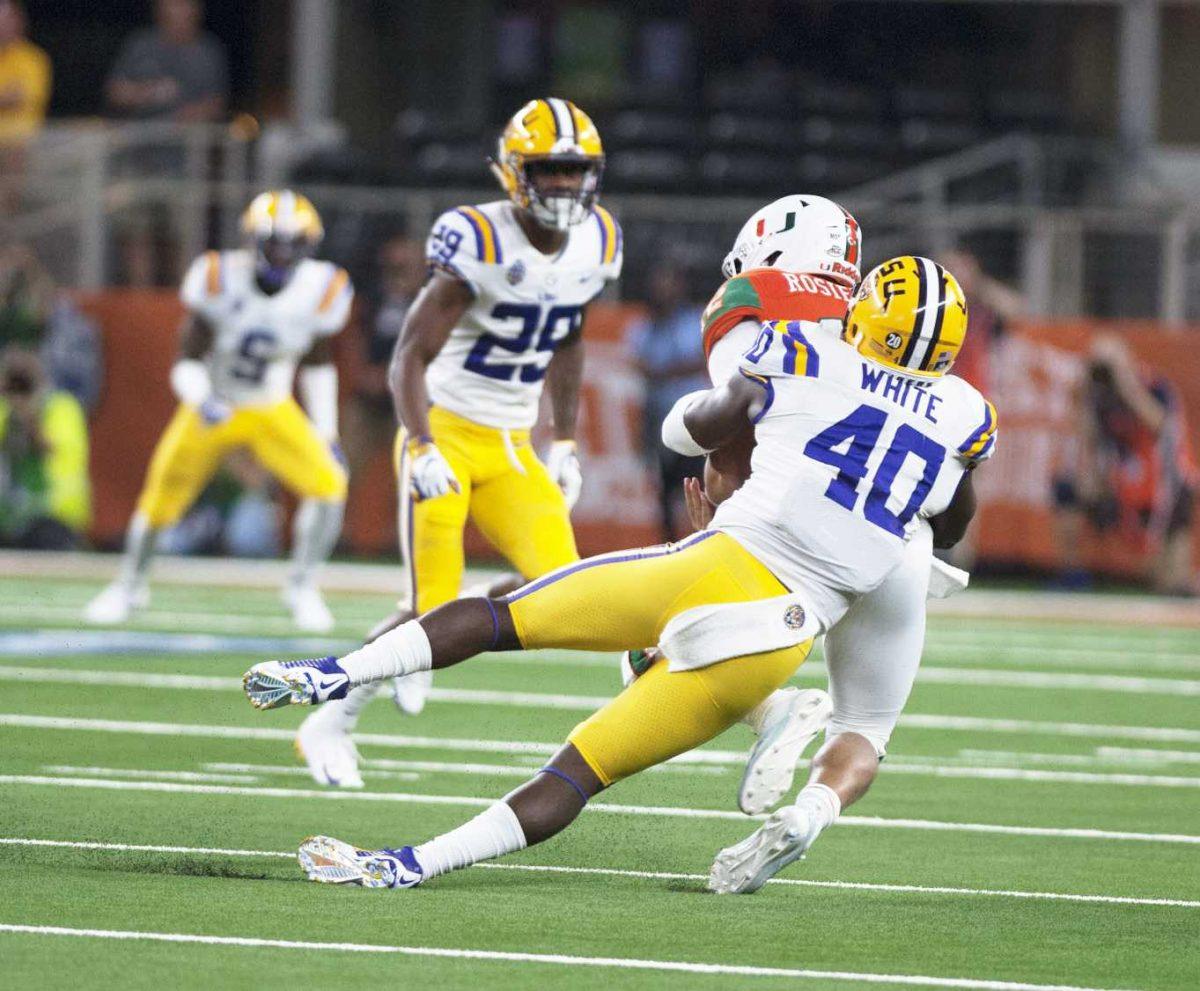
x=981, y=442
x=737, y=300
x=611, y=239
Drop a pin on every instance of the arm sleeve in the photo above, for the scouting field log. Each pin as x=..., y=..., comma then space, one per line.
x=454, y=246
x=68, y=492
x=333, y=307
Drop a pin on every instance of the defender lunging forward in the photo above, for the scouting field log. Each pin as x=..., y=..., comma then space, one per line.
x=253, y=316
x=733, y=608
x=500, y=317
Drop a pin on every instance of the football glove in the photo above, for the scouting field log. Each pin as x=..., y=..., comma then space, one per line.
x=563, y=465
x=213, y=411
x=431, y=475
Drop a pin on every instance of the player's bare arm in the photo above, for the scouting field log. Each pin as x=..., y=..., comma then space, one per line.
x=563, y=375
x=718, y=415
x=437, y=310
x=195, y=337
x=950, y=526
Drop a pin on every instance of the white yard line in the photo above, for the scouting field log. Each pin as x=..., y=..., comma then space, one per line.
x=150, y=775
x=528, y=747
x=613, y=872
x=646, y=875
x=384, y=768
x=472, y=801
x=617, y=963
x=547, y=700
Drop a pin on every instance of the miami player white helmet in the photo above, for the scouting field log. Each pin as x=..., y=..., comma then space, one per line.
x=799, y=233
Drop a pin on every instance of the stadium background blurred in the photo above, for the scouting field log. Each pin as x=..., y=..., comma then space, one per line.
x=1047, y=151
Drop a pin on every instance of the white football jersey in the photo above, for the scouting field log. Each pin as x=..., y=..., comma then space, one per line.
x=526, y=303
x=259, y=339
x=850, y=454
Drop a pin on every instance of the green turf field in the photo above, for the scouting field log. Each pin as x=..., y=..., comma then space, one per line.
x=1036, y=824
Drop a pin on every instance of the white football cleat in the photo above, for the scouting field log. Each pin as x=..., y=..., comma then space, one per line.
x=310, y=682
x=411, y=691
x=745, y=867
x=331, y=861
x=771, y=766
x=308, y=608
x=116, y=603
x=328, y=751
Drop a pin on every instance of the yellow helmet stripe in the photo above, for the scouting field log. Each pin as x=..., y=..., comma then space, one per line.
x=337, y=285
x=610, y=236
x=212, y=272
x=982, y=437
x=487, y=240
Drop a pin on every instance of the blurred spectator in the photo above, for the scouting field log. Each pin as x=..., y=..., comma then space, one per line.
x=24, y=93
x=370, y=419
x=1135, y=475
x=992, y=307
x=174, y=70
x=45, y=494
x=667, y=351
x=36, y=315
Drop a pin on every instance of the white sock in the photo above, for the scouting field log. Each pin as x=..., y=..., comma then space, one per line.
x=763, y=714
x=401, y=651
x=822, y=805
x=492, y=833
x=315, y=531
x=140, y=539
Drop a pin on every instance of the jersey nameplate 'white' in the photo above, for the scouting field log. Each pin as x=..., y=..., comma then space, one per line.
x=491, y=368
x=259, y=339
x=850, y=455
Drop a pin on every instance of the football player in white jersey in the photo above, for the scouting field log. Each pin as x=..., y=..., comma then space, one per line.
x=500, y=318
x=860, y=436
x=254, y=316
x=797, y=258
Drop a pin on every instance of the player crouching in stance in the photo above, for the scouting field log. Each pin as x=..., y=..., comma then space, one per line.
x=733, y=608
x=253, y=316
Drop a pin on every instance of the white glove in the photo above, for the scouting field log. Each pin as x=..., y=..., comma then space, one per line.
x=563, y=465
x=431, y=475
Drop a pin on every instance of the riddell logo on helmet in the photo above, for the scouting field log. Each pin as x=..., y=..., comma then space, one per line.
x=848, y=272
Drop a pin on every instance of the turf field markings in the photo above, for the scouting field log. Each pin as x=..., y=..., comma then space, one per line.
x=128, y=772
x=380, y=766
x=560, y=959
x=21, y=841
x=545, y=700
x=920, y=721
x=924, y=769
x=671, y=811
x=1100, y=757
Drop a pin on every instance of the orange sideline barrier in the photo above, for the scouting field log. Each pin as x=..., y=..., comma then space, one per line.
x=1031, y=377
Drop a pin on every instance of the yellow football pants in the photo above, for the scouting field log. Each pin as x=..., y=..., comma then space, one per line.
x=622, y=601
x=506, y=493
x=281, y=437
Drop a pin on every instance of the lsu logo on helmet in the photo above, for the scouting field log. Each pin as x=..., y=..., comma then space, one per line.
x=909, y=314
x=280, y=213
x=550, y=134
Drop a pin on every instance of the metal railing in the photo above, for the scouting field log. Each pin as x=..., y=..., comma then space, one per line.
x=1137, y=262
